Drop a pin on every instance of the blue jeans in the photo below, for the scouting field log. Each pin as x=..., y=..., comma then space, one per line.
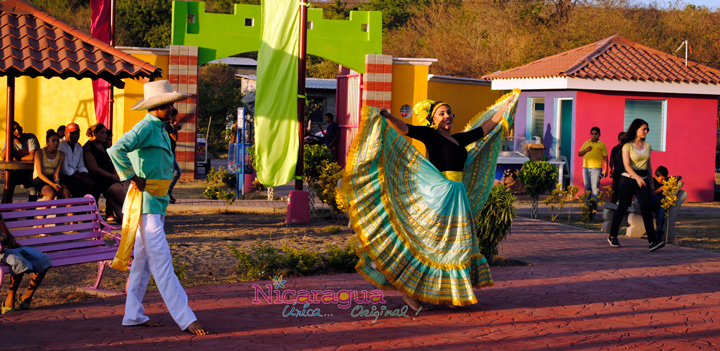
x=656, y=204
x=25, y=259
x=591, y=177
x=176, y=175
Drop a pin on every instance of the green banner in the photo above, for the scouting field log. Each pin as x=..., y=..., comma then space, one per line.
x=276, y=124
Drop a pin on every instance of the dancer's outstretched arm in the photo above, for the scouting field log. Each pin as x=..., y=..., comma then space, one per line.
x=490, y=124
x=396, y=123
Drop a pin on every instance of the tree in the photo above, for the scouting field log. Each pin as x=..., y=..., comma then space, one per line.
x=219, y=96
x=144, y=23
x=398, y=13
x=537, y=177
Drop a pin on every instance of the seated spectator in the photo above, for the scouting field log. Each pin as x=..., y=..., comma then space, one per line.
x=24, y=146
x=102, y=171
x=74, y=174
x=46, y=175
x=61, y=131
x=21, y=260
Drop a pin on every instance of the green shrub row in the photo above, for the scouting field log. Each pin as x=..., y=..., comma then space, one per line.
x=263, y=261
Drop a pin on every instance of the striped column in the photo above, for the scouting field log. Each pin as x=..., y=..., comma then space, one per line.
x=377, y=81
x=183, y=76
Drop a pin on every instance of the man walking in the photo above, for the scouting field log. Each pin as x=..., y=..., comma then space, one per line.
x=144, y=156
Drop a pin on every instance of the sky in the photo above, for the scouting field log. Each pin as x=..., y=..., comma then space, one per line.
x=711, y=4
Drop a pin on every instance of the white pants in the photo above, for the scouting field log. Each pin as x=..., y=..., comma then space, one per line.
x=152, y=256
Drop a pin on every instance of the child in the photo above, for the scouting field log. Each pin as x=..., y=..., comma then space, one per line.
x=21, y=259
x=595, y=162
x=661, y=175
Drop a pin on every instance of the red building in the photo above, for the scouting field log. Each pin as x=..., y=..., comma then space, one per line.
x=608, y=84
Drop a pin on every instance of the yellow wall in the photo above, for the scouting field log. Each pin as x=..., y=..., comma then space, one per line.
x=466, y=100
x=41, y=103
x=409, y=85
x=133, y=92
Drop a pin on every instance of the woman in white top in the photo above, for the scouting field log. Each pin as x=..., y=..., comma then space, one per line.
x=636, y=181
x=46, y=174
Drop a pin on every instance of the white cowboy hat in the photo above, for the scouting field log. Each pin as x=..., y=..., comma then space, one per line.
x=158, y=93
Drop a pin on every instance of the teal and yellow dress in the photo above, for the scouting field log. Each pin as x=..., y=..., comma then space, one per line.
x=416, y=224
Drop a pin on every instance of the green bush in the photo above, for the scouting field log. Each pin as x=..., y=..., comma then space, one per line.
x=326, y=184
x=263, y=261
x=298, y=263
x=314, y=156
x=537, y=177
x=221, y=185
x=341, y=260
x=559, y=198
x=496, y=217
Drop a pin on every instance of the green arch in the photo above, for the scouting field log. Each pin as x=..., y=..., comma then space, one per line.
x=220, y=35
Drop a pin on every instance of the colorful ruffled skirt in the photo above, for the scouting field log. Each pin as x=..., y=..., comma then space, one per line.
x=416, y=227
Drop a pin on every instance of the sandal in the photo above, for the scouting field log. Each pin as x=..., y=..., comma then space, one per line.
x=25, y=304
x=7, y=309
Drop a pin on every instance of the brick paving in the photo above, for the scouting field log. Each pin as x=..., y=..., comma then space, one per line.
x=576, y=294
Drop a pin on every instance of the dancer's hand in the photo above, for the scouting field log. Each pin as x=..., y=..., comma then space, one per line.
x=385, y=113
x=138, y=182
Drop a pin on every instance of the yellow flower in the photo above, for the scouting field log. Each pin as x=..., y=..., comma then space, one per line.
x=670, y=193
x=422, y=111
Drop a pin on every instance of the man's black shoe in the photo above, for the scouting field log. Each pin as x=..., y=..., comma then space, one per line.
x=657, y=246
x=613, y=240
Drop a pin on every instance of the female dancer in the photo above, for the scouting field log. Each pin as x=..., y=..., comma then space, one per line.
x=415, y=217
x=46, y=174
x=636, y=181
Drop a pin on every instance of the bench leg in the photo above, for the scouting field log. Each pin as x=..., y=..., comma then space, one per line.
x=96, y=290
x=101, y=270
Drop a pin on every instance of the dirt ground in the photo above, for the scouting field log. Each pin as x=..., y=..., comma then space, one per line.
x=202, y=241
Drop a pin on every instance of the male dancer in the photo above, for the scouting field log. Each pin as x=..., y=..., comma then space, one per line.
x=144, y=156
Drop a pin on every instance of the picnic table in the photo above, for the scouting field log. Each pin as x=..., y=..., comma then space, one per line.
x=8, y=166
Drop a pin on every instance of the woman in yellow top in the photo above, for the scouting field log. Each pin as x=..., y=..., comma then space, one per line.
x=46, y=175
x=636, y=181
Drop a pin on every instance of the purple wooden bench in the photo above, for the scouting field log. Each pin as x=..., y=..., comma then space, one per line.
x=70, y=231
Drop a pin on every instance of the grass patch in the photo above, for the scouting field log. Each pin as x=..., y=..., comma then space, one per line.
x=331, y=229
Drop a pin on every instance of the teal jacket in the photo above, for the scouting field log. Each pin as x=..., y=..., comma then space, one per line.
x=145, y=151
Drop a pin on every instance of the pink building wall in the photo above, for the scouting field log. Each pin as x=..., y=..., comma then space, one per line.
x=691, y=135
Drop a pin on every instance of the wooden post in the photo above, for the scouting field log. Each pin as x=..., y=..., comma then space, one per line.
x=301, y=94
x=9, y=119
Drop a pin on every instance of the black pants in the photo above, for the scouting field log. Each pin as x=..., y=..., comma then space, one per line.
x=627, y=189
x=76, y=186
x=616, y=177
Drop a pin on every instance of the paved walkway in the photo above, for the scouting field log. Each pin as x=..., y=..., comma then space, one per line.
x=577, y=294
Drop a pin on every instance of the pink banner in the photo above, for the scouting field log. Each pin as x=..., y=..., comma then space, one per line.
x=100, y=29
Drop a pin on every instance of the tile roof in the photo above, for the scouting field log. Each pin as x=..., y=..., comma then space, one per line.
x=37, y=44
x=614, y=58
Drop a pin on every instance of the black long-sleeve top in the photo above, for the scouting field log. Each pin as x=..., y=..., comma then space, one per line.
x=442, y=152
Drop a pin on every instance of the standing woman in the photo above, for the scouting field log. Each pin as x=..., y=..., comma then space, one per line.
x=416, y=217
x=101, y=170
x=46, y=174
x=636, y=181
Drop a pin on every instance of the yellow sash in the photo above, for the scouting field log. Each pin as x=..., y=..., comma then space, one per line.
x=131, y=221
x=455, y=176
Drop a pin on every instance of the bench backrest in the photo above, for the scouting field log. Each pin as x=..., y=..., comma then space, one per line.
x=57, y=225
